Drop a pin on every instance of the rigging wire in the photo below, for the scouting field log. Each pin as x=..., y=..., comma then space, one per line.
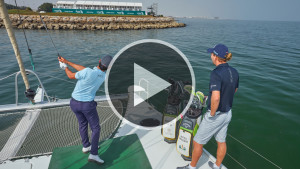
x=29, y=50
x=49, y=35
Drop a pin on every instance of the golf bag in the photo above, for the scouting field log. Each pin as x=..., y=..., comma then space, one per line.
x=173, y=108
x=189, y=126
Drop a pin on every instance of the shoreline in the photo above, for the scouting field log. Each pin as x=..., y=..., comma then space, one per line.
x=92, y=23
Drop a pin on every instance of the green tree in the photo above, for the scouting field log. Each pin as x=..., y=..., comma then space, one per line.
x=45, y=7
x=9, y=6
x=28, y=9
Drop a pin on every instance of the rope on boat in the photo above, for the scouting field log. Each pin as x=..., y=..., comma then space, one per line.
x=29, y=50
x=45, y=75
x=254, y=151
x=8, y=76
x=235, y=160
x=7, y=114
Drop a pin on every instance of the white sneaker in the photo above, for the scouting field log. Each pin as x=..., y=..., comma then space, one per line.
x=86, y=150
x=213, y=165
x=95, y=158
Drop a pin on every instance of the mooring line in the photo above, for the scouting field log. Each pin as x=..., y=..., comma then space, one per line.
x=236, y=160
x=254, y=151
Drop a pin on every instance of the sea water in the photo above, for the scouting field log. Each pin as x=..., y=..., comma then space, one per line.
x=266, y=53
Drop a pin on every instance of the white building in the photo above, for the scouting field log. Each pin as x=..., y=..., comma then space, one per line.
x=99, y=5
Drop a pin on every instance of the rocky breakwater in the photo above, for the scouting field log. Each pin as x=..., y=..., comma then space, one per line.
x=92, y=23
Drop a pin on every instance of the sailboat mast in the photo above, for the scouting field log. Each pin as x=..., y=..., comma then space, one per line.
x=11, y=35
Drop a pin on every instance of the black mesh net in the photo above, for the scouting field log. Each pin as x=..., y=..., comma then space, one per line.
x=8, y=123
x=57, y=127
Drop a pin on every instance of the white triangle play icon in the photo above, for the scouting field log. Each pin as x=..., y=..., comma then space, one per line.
x=146, y=84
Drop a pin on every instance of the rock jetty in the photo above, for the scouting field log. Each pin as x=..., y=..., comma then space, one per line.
x=91, y=23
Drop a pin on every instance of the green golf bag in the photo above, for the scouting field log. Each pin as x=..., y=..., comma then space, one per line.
x=189, y=126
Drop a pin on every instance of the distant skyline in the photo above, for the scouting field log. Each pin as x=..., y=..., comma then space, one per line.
x=274, y=10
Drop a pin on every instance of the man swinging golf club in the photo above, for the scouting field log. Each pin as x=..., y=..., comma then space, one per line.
x=224, y=82
x=83, y=104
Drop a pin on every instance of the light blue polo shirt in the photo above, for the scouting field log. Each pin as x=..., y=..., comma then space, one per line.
x=89, y=81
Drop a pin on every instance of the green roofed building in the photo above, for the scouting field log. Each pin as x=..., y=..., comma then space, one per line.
x=99, y=7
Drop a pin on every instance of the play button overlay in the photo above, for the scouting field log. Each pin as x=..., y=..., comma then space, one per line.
x=154, y=84
x=154, y=80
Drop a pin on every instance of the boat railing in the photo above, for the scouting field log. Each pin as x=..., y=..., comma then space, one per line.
x=16, y=85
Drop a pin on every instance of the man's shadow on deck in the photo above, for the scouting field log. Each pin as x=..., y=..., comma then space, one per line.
x=122, y=152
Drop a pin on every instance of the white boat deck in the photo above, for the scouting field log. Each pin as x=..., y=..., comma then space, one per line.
x=160, y=154
x=41, y=162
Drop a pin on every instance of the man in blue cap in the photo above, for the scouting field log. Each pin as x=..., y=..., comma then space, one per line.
x=224, y=82
x=83, y=104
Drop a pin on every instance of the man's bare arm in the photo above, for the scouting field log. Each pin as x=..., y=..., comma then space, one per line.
x=70, y=74
x=215, y=101
x=75, y=66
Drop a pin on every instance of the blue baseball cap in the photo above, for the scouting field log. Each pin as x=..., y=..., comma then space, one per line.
x=220, y=50
x=105, y=61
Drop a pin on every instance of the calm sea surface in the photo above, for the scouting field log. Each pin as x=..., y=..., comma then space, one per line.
x=266, y=111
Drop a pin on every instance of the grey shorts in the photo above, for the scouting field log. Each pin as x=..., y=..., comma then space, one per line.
x=213, y=126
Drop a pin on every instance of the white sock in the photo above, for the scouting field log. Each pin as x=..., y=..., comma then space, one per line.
x=216, y=167
x=191, y=167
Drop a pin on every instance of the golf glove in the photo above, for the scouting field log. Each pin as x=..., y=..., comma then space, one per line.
x=63, y=65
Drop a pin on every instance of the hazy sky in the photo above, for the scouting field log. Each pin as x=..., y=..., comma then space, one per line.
x=282, y=10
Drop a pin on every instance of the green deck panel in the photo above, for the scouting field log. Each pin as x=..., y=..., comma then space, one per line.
x=124, y=152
